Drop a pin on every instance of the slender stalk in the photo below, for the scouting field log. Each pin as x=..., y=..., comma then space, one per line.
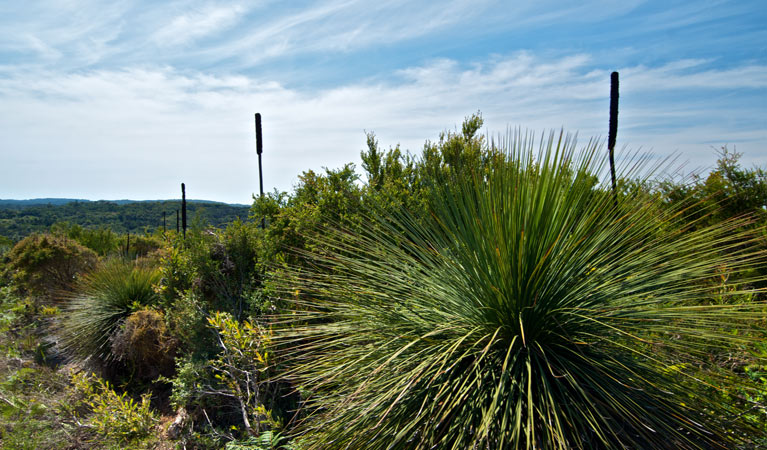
x=259, y=151
x=613, y=131
x=183, y=208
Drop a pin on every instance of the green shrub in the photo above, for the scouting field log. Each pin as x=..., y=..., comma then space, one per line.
x=5, y=246
x=242, y=367
x=140, y=246
x=220, y=268
x=105, y=298
x=42, y=264
x=527, y=311
x=101, y=240
x=114, y=416
x=186, y=319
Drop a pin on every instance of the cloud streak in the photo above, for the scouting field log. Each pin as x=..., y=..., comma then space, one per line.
x=197, y=128
x=197, y=24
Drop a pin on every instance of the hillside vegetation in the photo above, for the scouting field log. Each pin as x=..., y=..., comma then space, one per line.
x=20, y=219
x=480, y=295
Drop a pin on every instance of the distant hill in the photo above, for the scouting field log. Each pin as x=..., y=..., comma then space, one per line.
x=20, y=218
x=38, y=201
x=62, y=201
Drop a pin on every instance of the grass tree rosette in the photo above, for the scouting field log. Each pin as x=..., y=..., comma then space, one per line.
x=529, y=311
x=105, y=298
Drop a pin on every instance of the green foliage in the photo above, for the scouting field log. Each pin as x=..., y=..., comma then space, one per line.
x=243, y=368
x=29, y=414
x=728, y=191
x=20, y=323
x=232, y=389
x=5, y=246
x=220, y=268
x=187, y=384
x=177, y=273
x=186, y=318
x=105, y=298
x=268, y=440
x=42, y=264
x=101, y=240
x=333, y=197
x=529, y=312
x=19, y=221
x=138, y=246
x=114, y=416
x=394, y=180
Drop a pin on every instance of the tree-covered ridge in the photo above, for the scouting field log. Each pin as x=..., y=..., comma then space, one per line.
x=20, y=220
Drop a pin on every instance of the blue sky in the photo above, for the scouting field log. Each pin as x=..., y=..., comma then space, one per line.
x=127, y=99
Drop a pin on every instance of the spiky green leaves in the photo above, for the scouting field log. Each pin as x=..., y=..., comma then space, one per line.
x=104, y=299
x=527, y=312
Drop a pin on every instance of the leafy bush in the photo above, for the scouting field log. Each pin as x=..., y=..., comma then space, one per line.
x=242, y=367
x=105, y=298
x=531, y=312
x=232, y=389
x=220, y=268
x=114, y=416
x=140, y=246
x=101, y=240
x=42, y=264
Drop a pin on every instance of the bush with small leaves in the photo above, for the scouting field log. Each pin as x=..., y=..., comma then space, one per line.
x=242, y=367
x=114, y=416
x=42, y=264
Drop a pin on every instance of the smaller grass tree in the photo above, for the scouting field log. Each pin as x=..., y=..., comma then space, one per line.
x=105, y=298
x=529, y=311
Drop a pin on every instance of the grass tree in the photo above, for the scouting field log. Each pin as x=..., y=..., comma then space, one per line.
x=529, y=311
x=105, y=298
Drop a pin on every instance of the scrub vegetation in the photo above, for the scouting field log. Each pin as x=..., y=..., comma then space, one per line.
x=484, y=294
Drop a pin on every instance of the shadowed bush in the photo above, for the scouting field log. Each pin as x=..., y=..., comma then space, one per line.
x=530, y=312
x=144, y=342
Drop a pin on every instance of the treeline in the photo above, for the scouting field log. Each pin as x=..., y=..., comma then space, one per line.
x=19, y=220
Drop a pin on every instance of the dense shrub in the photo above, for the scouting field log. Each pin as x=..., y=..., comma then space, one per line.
x=42, y=264
x=242, y=367
x=220, y=268
x=5, y=246
x=729, y=190
x=138, y=246
x=101, y=240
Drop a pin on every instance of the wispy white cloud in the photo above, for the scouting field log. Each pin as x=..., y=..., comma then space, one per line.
x=248, y=34
x=198, y=23
x=69, y=34
x=198, y=128
x=686, y=74
x=37, y=45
